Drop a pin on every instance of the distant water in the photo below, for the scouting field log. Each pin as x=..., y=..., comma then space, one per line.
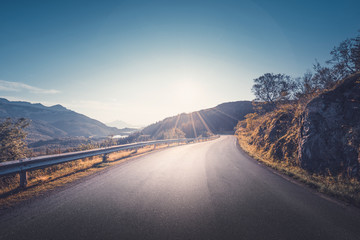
x=120, y=136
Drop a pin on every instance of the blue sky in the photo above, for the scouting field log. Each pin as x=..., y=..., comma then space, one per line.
x=142, y=61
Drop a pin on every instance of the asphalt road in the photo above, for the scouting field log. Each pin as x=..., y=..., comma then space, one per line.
x=206, y=190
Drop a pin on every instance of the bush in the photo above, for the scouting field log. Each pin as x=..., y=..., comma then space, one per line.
x=12, y=136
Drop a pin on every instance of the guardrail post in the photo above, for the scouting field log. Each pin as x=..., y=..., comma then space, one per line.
x=134, y=150
x=105, y=157
x=154, y=146
x=23, y=179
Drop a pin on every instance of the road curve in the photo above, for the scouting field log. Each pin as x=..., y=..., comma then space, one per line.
x=207, y=190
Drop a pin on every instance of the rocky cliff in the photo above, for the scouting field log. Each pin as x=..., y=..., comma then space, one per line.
x=329, y=137
x=321, y=137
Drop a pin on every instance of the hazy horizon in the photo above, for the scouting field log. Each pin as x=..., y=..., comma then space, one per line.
x=142, y=61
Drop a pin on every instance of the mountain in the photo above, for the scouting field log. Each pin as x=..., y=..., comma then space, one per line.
x=220, y=119
x=54, y=122
x=121, y=124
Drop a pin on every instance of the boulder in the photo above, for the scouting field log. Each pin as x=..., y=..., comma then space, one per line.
x=329, y=135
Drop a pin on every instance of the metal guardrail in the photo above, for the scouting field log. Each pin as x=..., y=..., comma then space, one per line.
x=22, y=166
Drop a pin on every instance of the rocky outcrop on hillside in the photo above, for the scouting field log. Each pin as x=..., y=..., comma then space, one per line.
x=329, y=137
x=321, y=137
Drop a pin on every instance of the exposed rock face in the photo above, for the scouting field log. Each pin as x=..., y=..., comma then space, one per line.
x=330, y=130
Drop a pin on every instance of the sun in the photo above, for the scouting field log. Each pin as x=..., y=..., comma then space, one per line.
x=187, y=91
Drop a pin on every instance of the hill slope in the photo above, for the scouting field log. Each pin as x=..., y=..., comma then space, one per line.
x=220, y=119
x=321, y=137
x=53, y=122
x=315, y=141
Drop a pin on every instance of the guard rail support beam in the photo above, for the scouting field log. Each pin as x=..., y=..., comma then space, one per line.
x=23, y=179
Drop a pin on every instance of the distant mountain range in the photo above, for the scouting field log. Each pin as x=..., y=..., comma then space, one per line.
x=121, y=125
x=54, y=122
x=220, y=119
x=57, y=122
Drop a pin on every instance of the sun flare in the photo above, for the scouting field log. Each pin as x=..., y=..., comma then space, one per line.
x=187, y=91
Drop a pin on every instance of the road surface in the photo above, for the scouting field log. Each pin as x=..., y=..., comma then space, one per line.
x=207, y=190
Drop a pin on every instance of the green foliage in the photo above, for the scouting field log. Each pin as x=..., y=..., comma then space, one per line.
x=12, y=136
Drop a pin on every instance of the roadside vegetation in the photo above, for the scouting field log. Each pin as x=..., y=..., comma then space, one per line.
x=273, y=134
x=12, y=139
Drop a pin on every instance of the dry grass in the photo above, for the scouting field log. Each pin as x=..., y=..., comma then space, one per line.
x=43, y=180
x=345, y=189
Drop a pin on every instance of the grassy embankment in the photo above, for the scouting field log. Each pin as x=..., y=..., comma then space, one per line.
x=272, y=139
x=43, y=180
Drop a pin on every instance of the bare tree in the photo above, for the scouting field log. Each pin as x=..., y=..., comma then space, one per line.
x=308, y=85
x=355, y=52
x=273, y=88
x=302, y=85
x=346, y=57
x=325, y=77
x=342, y=60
